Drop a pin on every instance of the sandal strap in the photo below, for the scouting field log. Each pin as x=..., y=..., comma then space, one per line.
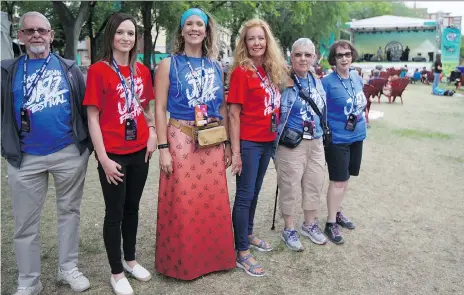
x=251, y=267
x=261, y=244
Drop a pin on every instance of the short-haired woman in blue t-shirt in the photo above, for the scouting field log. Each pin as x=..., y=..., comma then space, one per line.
x=345, y=106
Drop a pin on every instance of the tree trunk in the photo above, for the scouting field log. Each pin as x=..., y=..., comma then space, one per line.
x=157, y=26
x=9, y=7
x=72, y=25
x=147, y=26
x=93, y=40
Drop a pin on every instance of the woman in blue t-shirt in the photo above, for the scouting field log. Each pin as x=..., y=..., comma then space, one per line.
x=194, y=225
x=300, y=168
x=345, y=106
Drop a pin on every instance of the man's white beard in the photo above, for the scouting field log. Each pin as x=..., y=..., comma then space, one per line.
x=37, y=49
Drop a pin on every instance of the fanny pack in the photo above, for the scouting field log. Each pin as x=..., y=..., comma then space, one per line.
x=290, y=137
x=210, y=135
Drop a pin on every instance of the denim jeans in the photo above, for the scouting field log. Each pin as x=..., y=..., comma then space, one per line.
x=255, y=159
x=436, y=80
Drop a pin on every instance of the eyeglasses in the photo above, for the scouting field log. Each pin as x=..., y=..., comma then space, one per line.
x=341, y=55
x=31, y=32
x=299, y=54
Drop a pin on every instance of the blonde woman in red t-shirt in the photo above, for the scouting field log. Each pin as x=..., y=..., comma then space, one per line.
x=122, y=129
x=254, y=100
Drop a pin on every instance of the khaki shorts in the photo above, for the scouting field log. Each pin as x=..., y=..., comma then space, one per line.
x=300, y=173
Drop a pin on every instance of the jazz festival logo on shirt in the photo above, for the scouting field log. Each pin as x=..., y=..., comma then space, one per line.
x=207, y=85
x=49, y=92
x=316, y=97
x=268, y=109
x=361, y=103
x=122, y=105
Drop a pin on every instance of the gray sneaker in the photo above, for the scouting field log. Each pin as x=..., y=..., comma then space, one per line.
x=34, y=290
x=314, y=233
x=290, y=237
x=74, y=278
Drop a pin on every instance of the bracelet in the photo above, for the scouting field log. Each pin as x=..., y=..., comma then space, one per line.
x=163, y=146
x=227, y=141
x=152, y=127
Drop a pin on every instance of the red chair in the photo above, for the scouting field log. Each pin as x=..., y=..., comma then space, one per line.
x=398, y=86
x=430, y=76
x=378, y=85
x=384, y=75
x=369, y=91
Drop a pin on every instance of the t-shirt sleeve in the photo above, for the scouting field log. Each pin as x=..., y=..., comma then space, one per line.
x=149, y=93
x=93, y=89
x=238, y=87
x=325, y=85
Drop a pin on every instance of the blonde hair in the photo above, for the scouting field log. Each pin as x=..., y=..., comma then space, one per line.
x=210, y=43
x=273, y=61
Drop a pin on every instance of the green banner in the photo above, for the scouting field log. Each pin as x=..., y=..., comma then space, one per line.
x=450, y=47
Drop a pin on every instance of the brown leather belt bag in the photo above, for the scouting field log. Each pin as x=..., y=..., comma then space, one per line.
x=206, y=136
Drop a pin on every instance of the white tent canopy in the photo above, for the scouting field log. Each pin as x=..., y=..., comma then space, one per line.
x=7, y=45
x=391, y=22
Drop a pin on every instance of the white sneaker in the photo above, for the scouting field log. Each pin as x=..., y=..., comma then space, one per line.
x=74, y=278
x=34, y=290
x=121, y=287
x=139, y=272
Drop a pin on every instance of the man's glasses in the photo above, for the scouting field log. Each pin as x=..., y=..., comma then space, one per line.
x=341, y=55
x=31, y=32
x=300, y=54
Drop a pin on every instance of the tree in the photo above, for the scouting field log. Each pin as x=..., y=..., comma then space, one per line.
x=72, y=25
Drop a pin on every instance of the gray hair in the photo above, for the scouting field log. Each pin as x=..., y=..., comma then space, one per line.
x=33, y=13
x=376, y=73
x=303, y=42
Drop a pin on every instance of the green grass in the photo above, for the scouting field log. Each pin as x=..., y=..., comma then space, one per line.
x=417, y=133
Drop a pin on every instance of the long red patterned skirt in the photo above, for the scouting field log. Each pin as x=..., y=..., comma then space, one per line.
x=194, y=229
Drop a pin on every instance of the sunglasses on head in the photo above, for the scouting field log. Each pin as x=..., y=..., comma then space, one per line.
x=300, y=54
x=341, y=55
x=31, y=32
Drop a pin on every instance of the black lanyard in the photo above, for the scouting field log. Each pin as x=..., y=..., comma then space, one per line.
x=27, y=92
x=267, y=85
x=353, y=96
x=198, y=80
x=129, y=98
x=300, y=86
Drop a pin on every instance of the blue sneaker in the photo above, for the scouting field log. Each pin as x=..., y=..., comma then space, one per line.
x=344, y=222
x=332, y=232
x=290, y=237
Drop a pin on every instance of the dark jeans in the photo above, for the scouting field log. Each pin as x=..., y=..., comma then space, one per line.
x=122, y=207
x=255, y=159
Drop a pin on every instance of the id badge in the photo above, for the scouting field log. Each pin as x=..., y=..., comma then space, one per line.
x=201, y=115
x=131, y=129
x=273, y=122
x=308, y=129
x=351, y=122
x=25, y=120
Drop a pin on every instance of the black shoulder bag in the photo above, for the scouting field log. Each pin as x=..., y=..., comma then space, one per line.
x=326, y=132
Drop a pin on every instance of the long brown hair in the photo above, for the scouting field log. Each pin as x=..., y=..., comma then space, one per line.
x=209, y=46
x=110, y=30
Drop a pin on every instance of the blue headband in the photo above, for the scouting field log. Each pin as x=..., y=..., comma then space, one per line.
x=193, y=11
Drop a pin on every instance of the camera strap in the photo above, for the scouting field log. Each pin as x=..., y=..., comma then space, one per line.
x=307, y=97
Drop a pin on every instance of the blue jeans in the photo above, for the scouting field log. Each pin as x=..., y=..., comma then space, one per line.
x=255, y=159
x=436, y=80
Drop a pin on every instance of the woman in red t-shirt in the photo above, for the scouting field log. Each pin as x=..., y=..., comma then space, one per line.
x=122, y=128
x=254, y=101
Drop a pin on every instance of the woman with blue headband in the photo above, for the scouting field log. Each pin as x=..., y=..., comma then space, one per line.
x=194, y=227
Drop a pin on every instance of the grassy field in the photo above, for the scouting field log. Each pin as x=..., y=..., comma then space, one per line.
x=407, y=204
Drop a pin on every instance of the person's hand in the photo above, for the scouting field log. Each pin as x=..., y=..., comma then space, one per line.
x=151, y=146
x=112, y=171
x=236, y=164
x=166, y=161
x=227, y=155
